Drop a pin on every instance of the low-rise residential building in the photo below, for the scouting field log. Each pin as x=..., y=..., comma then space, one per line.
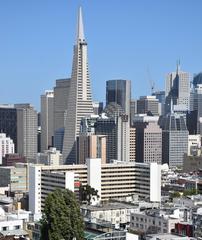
x=117, y=214
x=13, y=224
x=155, y=221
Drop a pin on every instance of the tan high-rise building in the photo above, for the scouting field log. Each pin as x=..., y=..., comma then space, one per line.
x=93, y=146
x=79, y=100
x=26, y=131
x=148, y=139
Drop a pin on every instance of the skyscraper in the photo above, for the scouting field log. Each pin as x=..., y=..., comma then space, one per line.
x=174, y=139
x=119, y=91
x=177, y=90
x=61, y=93
x=148, y=139
x=8, y=122
x=26, y=130
x=79, y=102
x=149, y=104
x=47, y=102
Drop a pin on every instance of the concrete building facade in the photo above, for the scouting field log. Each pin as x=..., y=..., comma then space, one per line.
x=117, y=180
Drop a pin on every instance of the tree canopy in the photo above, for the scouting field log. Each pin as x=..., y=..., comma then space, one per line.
x=61, y=217
x=86, y=193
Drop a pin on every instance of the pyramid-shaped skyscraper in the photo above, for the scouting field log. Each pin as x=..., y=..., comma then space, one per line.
x=79, y=100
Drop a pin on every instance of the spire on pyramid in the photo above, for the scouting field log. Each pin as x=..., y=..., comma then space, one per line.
x=80, y=29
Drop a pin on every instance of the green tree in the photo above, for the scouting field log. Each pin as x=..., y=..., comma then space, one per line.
x=175, y=195
x=189, y=192
x=86, y=193
x=61, y=217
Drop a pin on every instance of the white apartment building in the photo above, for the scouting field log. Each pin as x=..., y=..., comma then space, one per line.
x=6, y=146
x=113, y=181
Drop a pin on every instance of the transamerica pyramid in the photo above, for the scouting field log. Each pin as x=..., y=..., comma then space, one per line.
x=79, y=100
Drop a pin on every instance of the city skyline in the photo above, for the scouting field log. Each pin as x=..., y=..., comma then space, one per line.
x=36, y=52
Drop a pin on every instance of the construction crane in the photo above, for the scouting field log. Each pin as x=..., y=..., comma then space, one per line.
x=151, y=82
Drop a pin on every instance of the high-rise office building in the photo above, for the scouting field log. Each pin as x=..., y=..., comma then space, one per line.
x=6, y=146
x=133, y=110
x=197, y=106
x=123, y=138
x=148, y=105
x=58, y=139
x=119, y=91
x=79, y=102
x=47, y=118
x=8, y=122
x=26, y=131
x=197, y=79
x=177, y=90
x=174, y=139
x=160, y=95
x=91, y=146
x=107, y=126
x=148, y=139
x=61, y=93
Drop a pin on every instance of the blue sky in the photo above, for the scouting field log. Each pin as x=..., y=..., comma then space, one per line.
x=125, y=39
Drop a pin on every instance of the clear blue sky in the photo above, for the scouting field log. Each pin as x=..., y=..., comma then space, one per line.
x=125, y=38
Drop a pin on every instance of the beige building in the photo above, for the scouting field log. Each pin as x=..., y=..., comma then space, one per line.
x=148, y=139
x=132, y=149
x=113, y=181
x=92, y=146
